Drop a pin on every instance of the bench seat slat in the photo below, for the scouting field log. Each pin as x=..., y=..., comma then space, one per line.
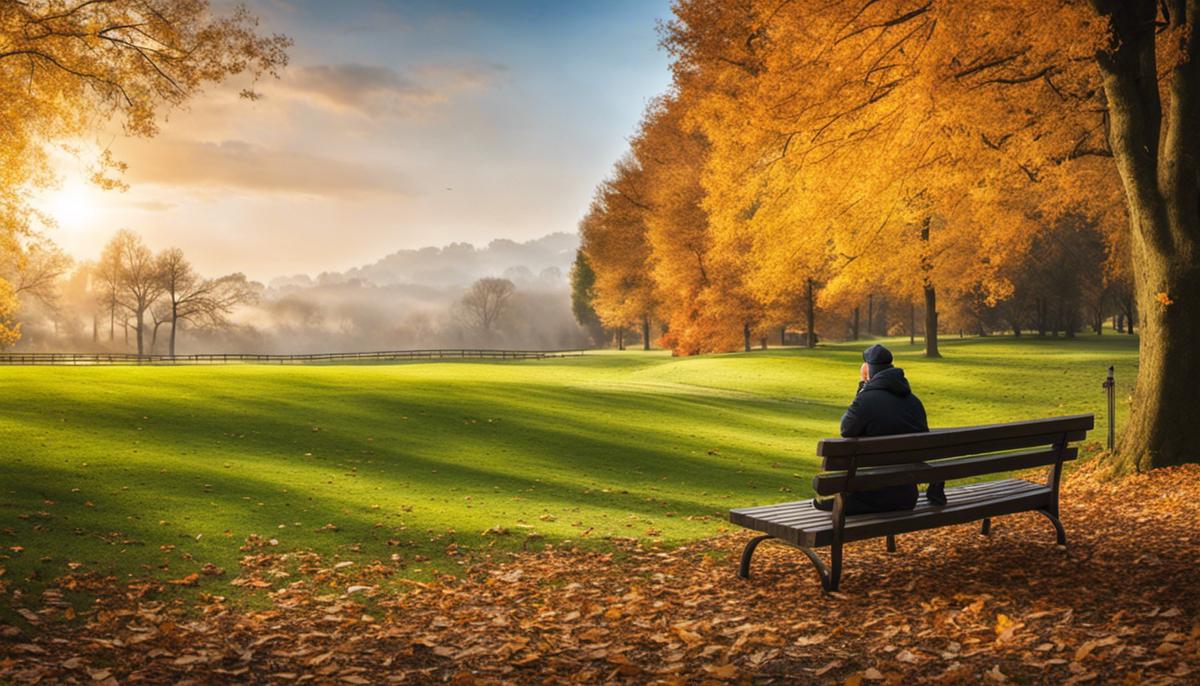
x=945, y=470
x=798, y=514
x=802, y=524
x=804, y=513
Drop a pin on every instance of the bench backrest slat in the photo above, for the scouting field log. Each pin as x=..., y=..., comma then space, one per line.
x=955, y=450
x=847, y=453
x=944, y=470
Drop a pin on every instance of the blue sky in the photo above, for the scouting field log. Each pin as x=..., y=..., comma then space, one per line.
x=397, y=125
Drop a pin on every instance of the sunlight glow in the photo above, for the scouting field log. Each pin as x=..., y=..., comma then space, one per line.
x=73, y=206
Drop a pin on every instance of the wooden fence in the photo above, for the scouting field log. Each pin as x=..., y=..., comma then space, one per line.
x=250, y=358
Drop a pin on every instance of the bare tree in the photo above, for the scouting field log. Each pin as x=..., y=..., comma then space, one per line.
x=34, y=267
x=137, y=277
x=191, y=298
x=160, y=314
x=108, y=281
x=485, y=300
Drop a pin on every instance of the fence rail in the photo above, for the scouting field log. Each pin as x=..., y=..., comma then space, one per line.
x=72, y=359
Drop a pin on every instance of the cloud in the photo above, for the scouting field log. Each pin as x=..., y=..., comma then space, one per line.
x=153, y=205
x=376, y=90
x=238, y=164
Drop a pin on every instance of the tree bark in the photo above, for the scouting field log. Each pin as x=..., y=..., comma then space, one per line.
x=141, y=316
x=782, y=336
x=931, y=322
x=1158, y=158
x=854, y=325
x=645, y=335
x=174, y=324
x=746, y=337
x=931, y=317
x=621, y=338
x=810, y=317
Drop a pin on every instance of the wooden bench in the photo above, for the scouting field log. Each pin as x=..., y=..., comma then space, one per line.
x=863, y=464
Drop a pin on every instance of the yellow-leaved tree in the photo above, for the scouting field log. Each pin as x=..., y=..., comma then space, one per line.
x=614, y=242
x=69, y=67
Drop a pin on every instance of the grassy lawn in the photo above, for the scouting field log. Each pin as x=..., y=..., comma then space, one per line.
x=137, y=471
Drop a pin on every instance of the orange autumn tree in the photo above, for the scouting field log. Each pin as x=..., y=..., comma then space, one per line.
x=614, y=241
x=1066, y=86
x=769, y=259
x=676, y=226
x=835, y=121
x=702, y=283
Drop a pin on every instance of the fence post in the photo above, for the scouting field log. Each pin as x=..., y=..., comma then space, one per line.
x=1110, y=387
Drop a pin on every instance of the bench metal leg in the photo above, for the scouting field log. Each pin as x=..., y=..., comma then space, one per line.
x=891, y=543
x=822, y=572
x=1058, y=527
x=747, y=553
x=835, y=567
x=987, y=526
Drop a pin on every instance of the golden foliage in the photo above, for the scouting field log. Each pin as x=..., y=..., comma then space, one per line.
x=894, y=146
x=68, y=67
x=10, y=329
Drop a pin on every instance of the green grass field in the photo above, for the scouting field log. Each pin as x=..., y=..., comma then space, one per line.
x=158, y=470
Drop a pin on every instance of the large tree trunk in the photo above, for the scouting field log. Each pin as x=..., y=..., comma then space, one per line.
x=931, y=322
x=1158, y=158
x=931, y=318
x=645, y=335
x=141, y=320
x=810, y=318
x=782, y=336
x=746, y=337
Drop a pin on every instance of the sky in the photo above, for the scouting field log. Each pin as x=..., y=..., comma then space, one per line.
x=396, y=125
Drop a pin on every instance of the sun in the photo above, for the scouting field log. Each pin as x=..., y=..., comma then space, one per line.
x=73, y=205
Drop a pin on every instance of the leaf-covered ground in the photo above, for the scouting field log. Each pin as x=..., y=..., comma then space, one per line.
x=1120, y=605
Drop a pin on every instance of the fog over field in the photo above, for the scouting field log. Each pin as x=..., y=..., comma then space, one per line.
x=406, y=299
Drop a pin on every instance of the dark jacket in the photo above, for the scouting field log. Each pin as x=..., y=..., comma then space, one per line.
x=884, y=406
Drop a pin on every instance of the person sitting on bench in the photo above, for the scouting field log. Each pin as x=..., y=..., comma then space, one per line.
x=884, y=406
